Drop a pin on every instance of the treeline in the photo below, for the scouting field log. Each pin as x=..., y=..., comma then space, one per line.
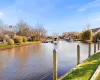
x=85, y=36
x=21, y=32
x=89, y=36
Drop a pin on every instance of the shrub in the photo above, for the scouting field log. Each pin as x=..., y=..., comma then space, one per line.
x=79, y=36
x=86, y=35
x=96, y=37
x=10, y=41
x=1, y=37
x=24, y=39
x=18, y=39
x=32, y=38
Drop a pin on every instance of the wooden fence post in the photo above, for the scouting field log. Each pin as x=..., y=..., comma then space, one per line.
x=94, y=47
x=54, y=64
x=98, y=46
x=89, y=50
x=78, y=54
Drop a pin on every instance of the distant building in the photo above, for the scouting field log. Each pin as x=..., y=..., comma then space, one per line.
x=95, y=30
x=70, y=34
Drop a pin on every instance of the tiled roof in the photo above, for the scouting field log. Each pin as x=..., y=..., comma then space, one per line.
x=95, y=29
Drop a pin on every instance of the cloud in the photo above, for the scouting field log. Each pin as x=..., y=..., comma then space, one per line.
x=96, y=19
x=92, y=4
x=19, y=11
x=1, y=14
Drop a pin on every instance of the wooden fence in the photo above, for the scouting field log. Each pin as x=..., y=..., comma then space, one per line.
x=78, y=57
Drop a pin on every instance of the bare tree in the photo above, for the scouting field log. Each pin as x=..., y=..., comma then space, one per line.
x=24, y=28
x=55, y=34
x=40, y=31
x=1, y=27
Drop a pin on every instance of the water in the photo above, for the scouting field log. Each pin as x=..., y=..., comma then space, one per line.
x=34, y=62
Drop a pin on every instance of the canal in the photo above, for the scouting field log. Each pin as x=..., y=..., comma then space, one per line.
x=34, y=62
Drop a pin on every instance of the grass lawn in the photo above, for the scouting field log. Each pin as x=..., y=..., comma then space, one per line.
x=32, y=42
x=98, y=77
x=26, y=43
x=85, y=70
x=5, y=45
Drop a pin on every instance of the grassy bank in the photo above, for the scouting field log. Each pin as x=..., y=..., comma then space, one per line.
x=85, y=70
x=4, y=46
x=98, y=77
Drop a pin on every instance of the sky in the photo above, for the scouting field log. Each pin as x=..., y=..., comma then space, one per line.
x=57, y=16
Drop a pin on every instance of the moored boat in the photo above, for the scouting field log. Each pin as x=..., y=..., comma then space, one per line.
x=69, y=39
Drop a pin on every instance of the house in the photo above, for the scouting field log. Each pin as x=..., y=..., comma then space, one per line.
x=70, y=34
x=95, y=30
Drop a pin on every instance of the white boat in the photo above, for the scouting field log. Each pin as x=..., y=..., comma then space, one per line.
x=48, y=41
x=55, y=41
x=69, y=39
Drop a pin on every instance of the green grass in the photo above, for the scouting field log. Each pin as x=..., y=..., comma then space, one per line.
x=85, y=70
x=98, y=77
x=17, y=44
x=32, y=42
x=5, y=45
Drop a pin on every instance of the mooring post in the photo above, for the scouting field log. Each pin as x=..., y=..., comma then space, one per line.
x=78, y=54
x=54, y=64
x=89, y=50
x=94, y=47
x=98, y=46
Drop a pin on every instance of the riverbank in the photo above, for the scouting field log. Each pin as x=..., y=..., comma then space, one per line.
x=98, y=77
x=85, y=70
x=7, y=46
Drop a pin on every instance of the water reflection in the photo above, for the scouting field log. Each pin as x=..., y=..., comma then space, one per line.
x=34, y=62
